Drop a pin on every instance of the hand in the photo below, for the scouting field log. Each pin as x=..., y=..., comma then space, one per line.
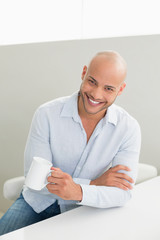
x=62, y=184
x=113, y=178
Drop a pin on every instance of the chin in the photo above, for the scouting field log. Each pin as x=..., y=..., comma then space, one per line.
x=96, y=111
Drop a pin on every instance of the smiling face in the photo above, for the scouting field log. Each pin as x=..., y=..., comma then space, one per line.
x=102, y=82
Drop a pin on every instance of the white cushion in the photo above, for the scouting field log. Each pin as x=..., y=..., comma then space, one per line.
x=145, y=172
x=13, y=187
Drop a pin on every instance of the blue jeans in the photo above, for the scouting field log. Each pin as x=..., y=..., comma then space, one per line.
x=20, y=214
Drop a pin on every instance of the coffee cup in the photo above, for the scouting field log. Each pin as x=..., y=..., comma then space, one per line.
x=36, y=178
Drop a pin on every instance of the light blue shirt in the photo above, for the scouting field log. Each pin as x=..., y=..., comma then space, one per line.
x=57, y=134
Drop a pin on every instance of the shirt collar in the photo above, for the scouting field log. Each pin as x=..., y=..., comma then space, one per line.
x=70, y=109
x=111, y=115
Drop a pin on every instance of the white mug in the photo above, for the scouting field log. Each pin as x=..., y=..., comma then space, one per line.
x=36, y=178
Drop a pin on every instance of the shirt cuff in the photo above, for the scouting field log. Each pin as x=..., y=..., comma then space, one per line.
x=82, y=181
x=88, y=197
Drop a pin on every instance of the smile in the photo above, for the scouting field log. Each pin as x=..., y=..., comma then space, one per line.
x=93, y=103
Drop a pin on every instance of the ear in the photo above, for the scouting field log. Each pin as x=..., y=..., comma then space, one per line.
x=121, y=88
x=84, y=72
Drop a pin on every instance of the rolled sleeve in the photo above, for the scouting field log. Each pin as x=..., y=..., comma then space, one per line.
x=104, y=197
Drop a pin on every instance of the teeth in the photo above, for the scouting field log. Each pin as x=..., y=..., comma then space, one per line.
x=93, y=101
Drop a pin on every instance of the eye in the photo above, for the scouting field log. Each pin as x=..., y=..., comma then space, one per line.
x=109, y=89
x=92, y=82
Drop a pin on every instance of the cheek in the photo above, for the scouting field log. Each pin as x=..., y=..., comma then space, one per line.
x=110, y=98
x=84, y=87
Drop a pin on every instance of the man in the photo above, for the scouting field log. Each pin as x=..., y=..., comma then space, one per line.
x=82, y=135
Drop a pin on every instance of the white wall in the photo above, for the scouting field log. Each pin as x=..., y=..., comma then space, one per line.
x=32, y=74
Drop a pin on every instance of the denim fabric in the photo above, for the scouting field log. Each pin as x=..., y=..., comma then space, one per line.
x=20, y=214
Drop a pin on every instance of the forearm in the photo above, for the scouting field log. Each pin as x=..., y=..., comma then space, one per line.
x=104, y=197
x=101, y=196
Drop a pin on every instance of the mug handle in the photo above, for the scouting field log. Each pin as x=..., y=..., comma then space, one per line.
x=46, y=178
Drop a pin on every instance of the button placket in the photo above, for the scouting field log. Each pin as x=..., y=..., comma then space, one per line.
x=87, y=149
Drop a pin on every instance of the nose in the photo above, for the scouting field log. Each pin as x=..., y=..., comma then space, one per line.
x=97, y=94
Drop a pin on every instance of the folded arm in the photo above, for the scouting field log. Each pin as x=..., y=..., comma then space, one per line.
x=113, y=187
x=62, y=184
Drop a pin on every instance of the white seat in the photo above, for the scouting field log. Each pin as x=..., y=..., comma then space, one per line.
x=13, y=187
x=146, y=172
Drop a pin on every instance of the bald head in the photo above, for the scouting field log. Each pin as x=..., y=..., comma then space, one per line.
x=102, y=82
x=112, y=58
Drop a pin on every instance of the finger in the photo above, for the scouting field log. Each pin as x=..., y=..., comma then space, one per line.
x=121, y=186
x=56, y=169
x=52, y=187
x=124, y=183
x=57, y=174
x=120, y=167
x=54, y=180
x=124, y=176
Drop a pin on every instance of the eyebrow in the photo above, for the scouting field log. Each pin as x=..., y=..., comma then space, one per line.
x=97, y=82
